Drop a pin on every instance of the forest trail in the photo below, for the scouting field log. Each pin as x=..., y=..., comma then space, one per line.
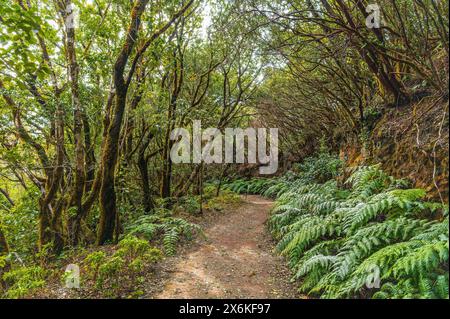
x=235, y=260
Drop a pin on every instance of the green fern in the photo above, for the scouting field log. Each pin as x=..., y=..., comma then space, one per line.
x=334, y=238
x=171, y=230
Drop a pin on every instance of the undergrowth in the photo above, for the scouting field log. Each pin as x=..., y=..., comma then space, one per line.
x=372, y=237
x=162, y=226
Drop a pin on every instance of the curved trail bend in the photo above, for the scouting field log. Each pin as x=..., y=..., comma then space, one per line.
x=236, y=260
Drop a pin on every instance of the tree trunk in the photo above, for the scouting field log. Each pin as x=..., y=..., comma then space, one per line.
x=224, y=172
x=73, y=70
x=4, y=250
x=45, y=233
x=108, y=206
x=8, y=198
x=142, y=164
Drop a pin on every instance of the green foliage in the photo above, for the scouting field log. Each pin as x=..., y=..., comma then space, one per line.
x=225, y=198
x=23, y=281
x=188, y=204
x=51, y=118
x=334, y=242
x=314, y=169
x=93, y=262
x=160, y=226
x=20, y=224
x=336, y=239
x=124, y=267
x=252, y=186
x=320, y=168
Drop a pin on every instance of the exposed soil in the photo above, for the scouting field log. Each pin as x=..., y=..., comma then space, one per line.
x=235, y=260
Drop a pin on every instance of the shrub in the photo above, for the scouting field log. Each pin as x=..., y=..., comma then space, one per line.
x=188, y=204
x=334, y=240
x=337, y=239
x=124, y=268
x=23, y=281
x=160, y=226
x=20, y=224
x=320, y=168
x=226, y=197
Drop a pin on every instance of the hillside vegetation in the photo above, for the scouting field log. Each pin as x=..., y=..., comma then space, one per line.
x=337, y=239
x=93, y=92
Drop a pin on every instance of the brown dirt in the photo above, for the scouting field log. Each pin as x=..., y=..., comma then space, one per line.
x=235, y=260
x=411, y=142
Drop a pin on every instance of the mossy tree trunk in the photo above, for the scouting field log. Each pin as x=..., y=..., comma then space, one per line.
x=4, y=250
x=108, y=205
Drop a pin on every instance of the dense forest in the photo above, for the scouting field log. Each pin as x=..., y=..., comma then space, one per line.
x=93, y=203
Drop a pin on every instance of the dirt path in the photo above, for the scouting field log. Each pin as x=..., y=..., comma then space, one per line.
x=234, y=261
